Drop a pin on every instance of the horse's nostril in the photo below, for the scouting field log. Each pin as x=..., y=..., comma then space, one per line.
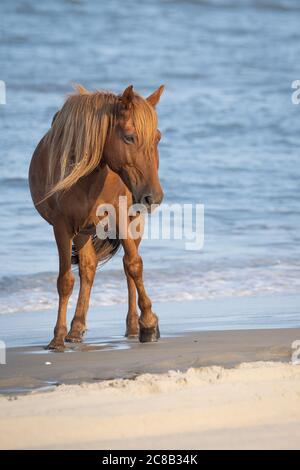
x=148, y=200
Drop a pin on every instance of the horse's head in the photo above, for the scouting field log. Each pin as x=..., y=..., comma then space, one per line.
x=131, y=146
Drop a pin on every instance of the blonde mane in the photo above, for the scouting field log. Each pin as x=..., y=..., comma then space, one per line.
x=77, y=137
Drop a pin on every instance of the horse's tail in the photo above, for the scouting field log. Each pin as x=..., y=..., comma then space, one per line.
x=105, y=249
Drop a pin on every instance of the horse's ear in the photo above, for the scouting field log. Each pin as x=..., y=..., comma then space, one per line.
x=127, y=97
x=155, y=97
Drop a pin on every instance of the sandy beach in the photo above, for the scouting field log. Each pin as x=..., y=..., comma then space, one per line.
x=218, y=389
x=255, y=405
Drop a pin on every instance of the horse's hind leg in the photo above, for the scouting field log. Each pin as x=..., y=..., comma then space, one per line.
x=65, y=283
x=87, y=268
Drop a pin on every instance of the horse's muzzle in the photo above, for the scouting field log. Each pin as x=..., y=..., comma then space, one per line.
x=151, y=200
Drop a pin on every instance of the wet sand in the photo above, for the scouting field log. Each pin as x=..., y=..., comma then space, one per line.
x=30, y=368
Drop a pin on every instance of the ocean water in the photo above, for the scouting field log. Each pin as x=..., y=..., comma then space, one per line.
x=230, y=137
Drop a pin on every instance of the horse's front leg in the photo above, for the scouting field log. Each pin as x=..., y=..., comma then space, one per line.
x=132, y=319
x=65, y=283
x=148, y=321
x=87, y=269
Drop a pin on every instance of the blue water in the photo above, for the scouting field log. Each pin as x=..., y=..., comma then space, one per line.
x=230, y=136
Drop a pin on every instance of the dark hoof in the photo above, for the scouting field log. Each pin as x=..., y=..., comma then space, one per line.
x=56, y=345
x=73, y=339
x=149, y=335
x=75, y=336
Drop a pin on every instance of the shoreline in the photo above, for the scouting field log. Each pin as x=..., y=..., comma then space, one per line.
x=107, y=323
x=193, y=335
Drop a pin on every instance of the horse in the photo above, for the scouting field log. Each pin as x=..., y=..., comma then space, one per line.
x=100, y=146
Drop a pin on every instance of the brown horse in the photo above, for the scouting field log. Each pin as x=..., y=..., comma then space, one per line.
x=100, y=146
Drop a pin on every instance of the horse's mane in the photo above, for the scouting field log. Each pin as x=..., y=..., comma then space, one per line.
x=77, y=137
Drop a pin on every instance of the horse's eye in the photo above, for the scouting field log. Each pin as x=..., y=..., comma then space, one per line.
x=129, y=139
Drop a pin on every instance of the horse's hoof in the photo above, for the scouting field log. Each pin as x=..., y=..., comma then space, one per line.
x=149, y=335
x=132, y=326
x=73, y=339
x=75, y=335
x=132, y=332
x=131, y=336
x=56, y=345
